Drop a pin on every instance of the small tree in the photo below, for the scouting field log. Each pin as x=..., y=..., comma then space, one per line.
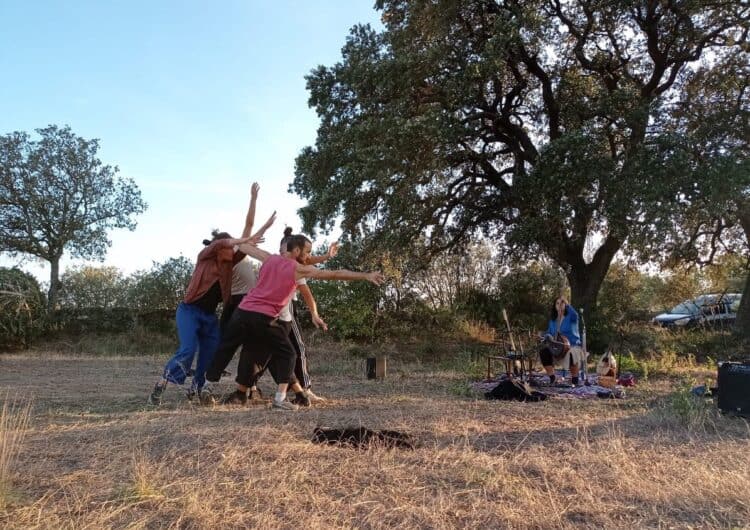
x=90, y=287
x=21, y=306
x=57, y=196
x=162, y=287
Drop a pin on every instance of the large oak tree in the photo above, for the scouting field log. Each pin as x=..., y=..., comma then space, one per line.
x=57, y=196
x=539, y=123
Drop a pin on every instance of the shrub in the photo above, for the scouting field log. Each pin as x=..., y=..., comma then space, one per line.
x=161, y=287
x=350, y=309
x=89, y=287
x=21, y=307
x=92, y=319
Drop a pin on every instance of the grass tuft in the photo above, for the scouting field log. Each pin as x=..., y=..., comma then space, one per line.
x=14, y=421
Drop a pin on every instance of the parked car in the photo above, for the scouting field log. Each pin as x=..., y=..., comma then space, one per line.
x=708, y=309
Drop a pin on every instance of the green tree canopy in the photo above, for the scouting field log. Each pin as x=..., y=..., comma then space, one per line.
x=543, y=124
x=57, y=196
x=713, y=116
x=21, y=307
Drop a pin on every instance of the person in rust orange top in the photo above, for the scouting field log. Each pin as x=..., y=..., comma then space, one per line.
x=197, y=324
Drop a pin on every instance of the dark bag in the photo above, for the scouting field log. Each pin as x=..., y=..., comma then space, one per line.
x=511, y=389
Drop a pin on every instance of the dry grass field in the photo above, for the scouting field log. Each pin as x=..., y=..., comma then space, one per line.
x=95, y=456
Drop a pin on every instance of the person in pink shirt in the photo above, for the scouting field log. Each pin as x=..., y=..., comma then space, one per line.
x=255, y=322
x=250, y=370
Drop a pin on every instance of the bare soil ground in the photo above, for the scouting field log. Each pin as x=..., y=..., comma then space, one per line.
x=96, y=456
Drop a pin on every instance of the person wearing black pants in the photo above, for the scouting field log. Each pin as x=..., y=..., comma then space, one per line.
x=248, y=373
x=251, y=367
x=270, y=344
x=255, y=325
x=228, y=310
x=300, y=367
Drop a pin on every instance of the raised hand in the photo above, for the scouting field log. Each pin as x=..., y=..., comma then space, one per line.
x=333, y=250
x=254, y=190
x=270, y=221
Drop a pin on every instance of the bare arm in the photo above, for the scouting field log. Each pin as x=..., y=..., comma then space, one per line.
x=308, y=271
x=258, y=236
x=211, y=250
x=332, y=251
x=254, y=252
x=250, y=217
x=312, y=306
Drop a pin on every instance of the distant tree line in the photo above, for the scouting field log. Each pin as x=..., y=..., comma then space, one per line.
x=92, y=299
x=472, y=286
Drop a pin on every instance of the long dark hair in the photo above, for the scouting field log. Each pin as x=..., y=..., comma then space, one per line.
x=553, y=312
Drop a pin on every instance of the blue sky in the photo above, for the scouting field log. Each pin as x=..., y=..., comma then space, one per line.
x=193, y=100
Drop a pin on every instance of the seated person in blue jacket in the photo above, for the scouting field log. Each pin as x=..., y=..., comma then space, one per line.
x=563, y=324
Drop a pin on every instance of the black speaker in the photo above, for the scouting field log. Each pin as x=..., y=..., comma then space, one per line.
x=734, y=387
x=370, y=368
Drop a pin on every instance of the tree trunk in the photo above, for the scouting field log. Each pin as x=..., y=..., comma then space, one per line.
x=585, y=282
x=742, y=323
x=586, y=279
x=54, y=283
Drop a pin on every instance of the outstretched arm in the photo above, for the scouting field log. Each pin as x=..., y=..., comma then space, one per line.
x=332, y=251
x=308, y=271
x=211, y=250
x=250, y=217
x=254, y=252
x=258, y=236
x=312, y=306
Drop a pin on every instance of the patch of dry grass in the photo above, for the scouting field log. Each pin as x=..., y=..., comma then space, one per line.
x=557, y=464
x=14, y=420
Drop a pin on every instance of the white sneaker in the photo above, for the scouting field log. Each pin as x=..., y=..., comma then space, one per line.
x=284, y=405
x=314, y=398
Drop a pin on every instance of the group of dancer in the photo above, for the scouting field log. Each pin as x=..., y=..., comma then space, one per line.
x=257, y=316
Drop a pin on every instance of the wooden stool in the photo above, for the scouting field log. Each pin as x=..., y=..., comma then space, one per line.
x=527, y=364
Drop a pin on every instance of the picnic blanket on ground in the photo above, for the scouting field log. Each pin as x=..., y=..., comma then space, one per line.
x=539, y=382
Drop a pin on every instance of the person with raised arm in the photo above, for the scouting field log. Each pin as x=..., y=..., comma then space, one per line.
x=243, y=273
x=255, y=322
x=247, y=376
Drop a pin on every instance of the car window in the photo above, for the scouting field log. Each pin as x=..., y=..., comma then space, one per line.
x=706, y=300
x=688, y=307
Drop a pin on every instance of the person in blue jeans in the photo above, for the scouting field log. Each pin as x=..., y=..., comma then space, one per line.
x=197, y=324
